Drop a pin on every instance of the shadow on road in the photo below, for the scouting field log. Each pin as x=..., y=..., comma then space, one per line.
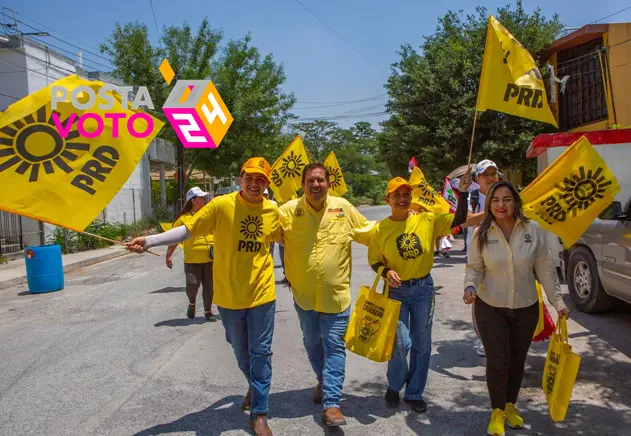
x=226, y=414
x=169, y=290
x=181, y=322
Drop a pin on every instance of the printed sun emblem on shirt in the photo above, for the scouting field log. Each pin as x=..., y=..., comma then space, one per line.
x=409, y=246
x=33, y=142
x=335, y=178
x=582, y=189
x=252, y=227
x=292, y=165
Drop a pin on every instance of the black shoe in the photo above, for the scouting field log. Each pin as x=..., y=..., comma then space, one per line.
x=191, y=311
x=392, y=398
x=210, y=317
x=419, y=406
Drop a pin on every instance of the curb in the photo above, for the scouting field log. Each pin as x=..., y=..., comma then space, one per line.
x=18, y=281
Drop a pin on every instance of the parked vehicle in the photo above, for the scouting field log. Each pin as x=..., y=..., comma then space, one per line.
x=226, y=190
x=598, y=267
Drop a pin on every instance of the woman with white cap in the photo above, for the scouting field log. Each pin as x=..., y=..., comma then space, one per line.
x=198, y=257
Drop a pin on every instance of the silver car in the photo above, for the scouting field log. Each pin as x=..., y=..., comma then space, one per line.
x=598, y=267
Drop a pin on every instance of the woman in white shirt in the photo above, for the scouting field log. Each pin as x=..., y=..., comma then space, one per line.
x=506, y=250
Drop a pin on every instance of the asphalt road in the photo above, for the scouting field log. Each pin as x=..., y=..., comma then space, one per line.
x=114, y=354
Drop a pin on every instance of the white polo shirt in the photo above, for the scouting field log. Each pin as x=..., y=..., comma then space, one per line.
x=470, y=230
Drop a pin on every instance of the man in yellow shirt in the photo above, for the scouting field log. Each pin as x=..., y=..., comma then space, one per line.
x=318, y=230
x=243, y=224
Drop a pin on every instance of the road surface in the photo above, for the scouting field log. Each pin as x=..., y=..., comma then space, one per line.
x=114, y=354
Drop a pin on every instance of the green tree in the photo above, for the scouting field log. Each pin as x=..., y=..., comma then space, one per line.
x=433, y=90
x=248, y=82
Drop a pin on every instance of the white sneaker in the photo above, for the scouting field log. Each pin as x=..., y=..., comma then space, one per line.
x=479, y=350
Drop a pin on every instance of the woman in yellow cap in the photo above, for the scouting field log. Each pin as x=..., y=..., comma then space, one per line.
x=198, y=259
x=404, y=245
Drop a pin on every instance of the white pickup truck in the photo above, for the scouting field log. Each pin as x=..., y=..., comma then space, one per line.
x=597, y=268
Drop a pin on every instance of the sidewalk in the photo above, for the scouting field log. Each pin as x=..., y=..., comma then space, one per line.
x=14, y=272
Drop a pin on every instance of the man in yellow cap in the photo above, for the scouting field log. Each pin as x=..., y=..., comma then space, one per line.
x=318, y=230
x=244, y=224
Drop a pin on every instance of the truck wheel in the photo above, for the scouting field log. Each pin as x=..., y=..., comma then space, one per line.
x=584, y=284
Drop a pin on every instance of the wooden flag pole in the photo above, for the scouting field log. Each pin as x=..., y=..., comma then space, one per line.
x=113, y=241
x=475, y=119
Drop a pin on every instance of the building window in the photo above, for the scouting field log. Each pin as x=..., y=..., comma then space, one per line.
x=584, y=100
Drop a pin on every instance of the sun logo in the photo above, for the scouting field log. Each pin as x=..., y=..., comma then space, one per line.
x=292, y=165
x=583, y=189
x=335, y=178
x=426, y=189
x=251, y=227
x=34, y=143
x=409, y=246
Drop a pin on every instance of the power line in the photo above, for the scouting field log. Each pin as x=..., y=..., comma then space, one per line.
x=156, y=23
x=340, y=36
x=345, y=101
x=615, y=13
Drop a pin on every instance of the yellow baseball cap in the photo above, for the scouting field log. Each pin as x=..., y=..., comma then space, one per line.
x=257, y=165
x=396, y=183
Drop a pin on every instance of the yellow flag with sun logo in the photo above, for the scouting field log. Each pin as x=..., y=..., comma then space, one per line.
x=571, y=193
x=510, y=81
x=67, y=181
x=337, y=185
x=424, y=195
x=286, y=172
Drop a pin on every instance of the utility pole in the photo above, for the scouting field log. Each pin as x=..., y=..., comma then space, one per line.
x=181, y=173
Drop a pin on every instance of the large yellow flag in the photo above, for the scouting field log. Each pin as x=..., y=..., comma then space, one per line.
x=66, y=181
x=287, y=170
x=424, y=194
x=510, y=80
x=567, y=197
x=337, y=185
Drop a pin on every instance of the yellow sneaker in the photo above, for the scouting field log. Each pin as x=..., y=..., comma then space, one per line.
x=512, y=417
x=496, y=426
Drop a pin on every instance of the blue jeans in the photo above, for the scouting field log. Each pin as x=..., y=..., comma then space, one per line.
x=323, y=337
x=250, y=332
x=414, y=332
x=281, y=254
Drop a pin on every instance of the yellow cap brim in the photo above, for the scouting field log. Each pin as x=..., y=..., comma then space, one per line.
x=256, y=171
x=394, y=188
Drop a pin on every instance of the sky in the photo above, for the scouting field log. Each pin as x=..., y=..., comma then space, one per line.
x=336, y=53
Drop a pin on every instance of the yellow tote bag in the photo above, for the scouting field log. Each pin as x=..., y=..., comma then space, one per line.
x=373, y=323
x=560, y=372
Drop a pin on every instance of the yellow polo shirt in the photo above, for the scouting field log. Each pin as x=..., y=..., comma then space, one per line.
x=243, y=268
x=407, y=247
x=196, y=249
x=318, y=251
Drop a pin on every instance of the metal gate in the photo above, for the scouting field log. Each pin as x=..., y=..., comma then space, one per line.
x=10, y=233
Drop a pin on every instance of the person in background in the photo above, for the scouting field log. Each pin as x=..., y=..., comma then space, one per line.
x=403, y=245
x=243, y=224
x=486, y=174
x=506, y=252
x=318, y=230
x=266, y=195
x=198, y=260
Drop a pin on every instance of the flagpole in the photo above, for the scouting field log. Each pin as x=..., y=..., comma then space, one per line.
x=475, y=119
x=113, y=241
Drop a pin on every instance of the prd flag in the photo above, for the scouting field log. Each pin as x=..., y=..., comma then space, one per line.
x=423, y=193
x=510, y=80
x=450, y=195
x=287, y=171
x=570, y=194
x=337, y=185
x=65, y=181
x=412, y=164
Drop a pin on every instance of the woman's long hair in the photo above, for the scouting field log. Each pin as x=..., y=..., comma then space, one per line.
x=518, y=214
x=188, y=206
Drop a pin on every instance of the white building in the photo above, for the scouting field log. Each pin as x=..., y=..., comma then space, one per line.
x=27, y=66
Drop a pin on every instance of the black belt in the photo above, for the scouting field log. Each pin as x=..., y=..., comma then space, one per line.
x=414, y=282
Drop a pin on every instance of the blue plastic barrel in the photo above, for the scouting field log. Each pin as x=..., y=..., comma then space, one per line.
x=44, y=268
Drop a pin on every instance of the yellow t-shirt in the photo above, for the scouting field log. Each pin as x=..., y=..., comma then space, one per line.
x=196, y=249
x=407, y=247
x=318, y=251
x=243, y=271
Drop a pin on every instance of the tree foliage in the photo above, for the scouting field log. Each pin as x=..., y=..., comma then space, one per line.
x=433, y=90
x=248, y=82
x=357, y=153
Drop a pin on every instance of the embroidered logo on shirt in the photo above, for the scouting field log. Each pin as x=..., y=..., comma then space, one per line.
x=300, y=212
x=338, y=210
x=409, y=246
x=528, y=238
x=251, y=229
